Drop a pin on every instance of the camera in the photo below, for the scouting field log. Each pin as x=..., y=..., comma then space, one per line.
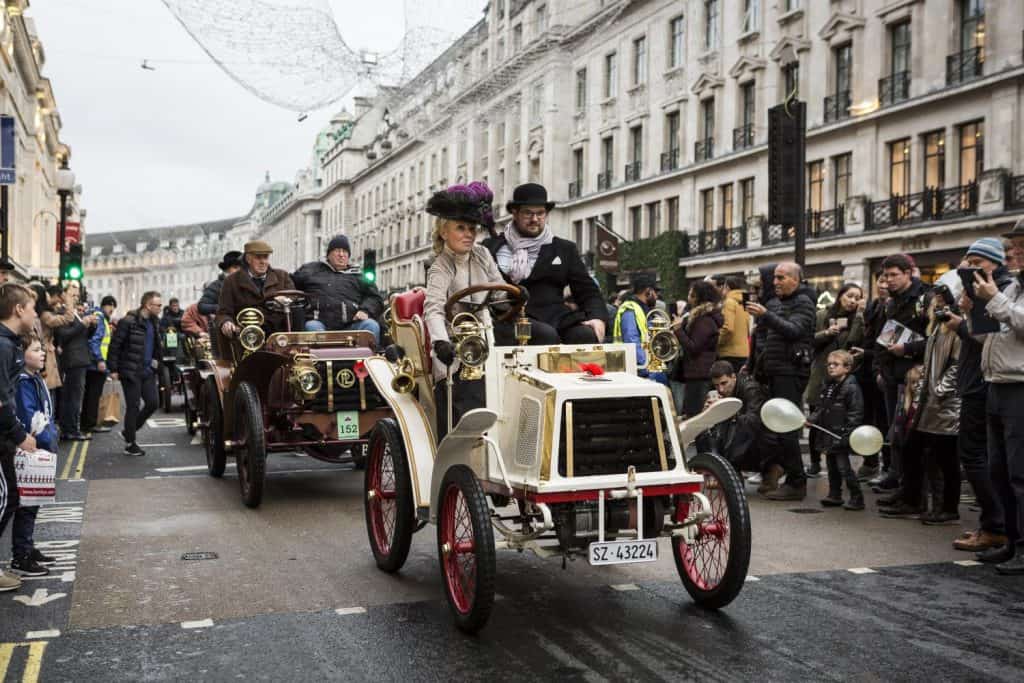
x=943, y=294
x=943, y=314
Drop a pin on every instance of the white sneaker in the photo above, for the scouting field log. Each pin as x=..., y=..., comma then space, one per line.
x=9, y=582
x=754, y=478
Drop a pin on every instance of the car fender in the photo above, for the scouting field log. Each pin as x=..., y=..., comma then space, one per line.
x=462, y=446
x=415, y=428
x=257, y=368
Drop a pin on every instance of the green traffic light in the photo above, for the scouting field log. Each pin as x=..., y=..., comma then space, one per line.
x=370, y=277
x=74, y=273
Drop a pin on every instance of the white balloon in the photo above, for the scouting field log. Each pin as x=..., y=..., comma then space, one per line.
x=866, y=440
x=781, y=416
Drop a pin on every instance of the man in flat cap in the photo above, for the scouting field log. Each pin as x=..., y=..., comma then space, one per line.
x=341, y=297
x=248, y=287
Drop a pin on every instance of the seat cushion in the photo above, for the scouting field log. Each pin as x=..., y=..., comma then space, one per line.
x=408, y=304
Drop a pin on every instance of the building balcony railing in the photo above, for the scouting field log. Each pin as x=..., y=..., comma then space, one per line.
x=704, y=149
x=932, y=204
x=825, y=223
x=894, y=88
x=710, y=241
x=776, y=234
x=670, y=160
x=632, y=171
x=965, y=66
x=743, y=137
x=1015, y=192
x=837, y=106
x=574, y=189
x=604, y=180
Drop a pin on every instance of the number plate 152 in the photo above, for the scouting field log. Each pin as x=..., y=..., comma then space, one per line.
x=623, y=552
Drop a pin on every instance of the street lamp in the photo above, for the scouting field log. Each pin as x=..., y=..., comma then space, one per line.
x=65, y=186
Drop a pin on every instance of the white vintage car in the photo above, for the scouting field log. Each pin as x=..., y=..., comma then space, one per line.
x=561, y=461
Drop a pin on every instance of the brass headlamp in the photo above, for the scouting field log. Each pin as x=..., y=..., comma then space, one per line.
x=661, y=346
x=404, y=380
x=304, y=378
x=470, y=345
x=252, y=335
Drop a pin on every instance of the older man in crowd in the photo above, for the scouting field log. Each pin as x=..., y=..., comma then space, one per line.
x=788, y=320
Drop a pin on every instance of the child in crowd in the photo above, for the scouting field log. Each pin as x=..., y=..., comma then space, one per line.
x=35, y=412
x=840, y=410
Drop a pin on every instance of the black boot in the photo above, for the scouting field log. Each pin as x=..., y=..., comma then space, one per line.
x=856, y=502
x=1003, y=553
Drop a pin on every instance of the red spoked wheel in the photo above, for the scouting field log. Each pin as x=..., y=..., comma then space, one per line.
x=714, y=566
x=465, y=543
x=388, y=497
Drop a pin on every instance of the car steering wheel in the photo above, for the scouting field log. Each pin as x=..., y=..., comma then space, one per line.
x=517, y=299
x=286, y=300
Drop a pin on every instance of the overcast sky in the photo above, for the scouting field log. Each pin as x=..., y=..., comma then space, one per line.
x=185, y=143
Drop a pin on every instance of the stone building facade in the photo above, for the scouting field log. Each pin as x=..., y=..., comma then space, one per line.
x=651, y=116
x=27, y=96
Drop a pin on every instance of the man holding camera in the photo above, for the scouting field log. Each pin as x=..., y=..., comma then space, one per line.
x=987, y=256
x=1002, y=362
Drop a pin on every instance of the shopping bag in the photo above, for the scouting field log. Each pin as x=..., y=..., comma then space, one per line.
x=35, y=472
x=110, y=404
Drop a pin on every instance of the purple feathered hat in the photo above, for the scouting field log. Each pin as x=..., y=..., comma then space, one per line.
x=471, y=203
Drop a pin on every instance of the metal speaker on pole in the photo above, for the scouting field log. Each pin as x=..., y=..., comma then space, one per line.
x=787, y=152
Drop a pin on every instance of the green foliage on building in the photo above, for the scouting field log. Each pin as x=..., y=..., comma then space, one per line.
x=661, y=253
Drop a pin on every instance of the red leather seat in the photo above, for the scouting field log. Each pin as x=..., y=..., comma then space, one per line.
x=408, y=304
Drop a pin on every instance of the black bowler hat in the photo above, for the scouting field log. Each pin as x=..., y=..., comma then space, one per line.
x=231, y=258
x=530, y=194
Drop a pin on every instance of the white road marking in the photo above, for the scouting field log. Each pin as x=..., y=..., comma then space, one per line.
x=967, y=563
x=350, y=610
x=156, y=445
x=65, y=577
x=65, y=502
x=750, y=577
x=156, y=477
x=861, y=570
x=165, y=422
x=187, y=468
x=76, y=481
x=625, y=587
x=40, y=597
x=32, y=635
x=202, y=623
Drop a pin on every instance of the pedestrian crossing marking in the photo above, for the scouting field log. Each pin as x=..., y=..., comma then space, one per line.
x=51, y=633
x=165, y=422
x=350, y=610
x=625, y=587
x=33, y=663
x=861, y=570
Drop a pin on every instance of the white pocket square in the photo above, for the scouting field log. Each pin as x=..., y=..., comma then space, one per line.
x=557, y=261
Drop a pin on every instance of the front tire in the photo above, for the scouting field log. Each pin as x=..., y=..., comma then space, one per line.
x=166, y=388
x=251, y=458
x=213, y=434
x=465, y=546
x=714, y=567
x=387, y=499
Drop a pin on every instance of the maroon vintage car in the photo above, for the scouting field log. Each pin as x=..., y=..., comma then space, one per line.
x=283, y=391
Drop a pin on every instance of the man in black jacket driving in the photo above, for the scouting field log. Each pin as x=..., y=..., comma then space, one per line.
x=529, y=254
x=342, y=299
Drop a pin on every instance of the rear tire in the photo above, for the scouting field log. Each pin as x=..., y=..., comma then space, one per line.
x=714, y=567
x=465, y=546
x=213, y=434
x=387, y=499
x=251, y=459
x=166, y=389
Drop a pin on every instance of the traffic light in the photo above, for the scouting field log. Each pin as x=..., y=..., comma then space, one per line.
x=370, y=265
x=72, y=268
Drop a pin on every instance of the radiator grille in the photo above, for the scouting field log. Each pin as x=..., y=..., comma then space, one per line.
x=344, y=398
x=529, y=433
x=610, y=434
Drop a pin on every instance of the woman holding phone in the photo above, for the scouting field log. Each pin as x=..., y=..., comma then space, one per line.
x=839, y=327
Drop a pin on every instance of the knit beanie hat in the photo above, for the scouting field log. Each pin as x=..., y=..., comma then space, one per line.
x=338, y=242
x=989, y=248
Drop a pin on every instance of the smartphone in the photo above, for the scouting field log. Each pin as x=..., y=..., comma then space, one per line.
x=745, y=298
x=843, y=323
x=967, y=278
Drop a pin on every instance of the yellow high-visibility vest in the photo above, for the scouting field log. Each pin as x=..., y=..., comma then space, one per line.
x=641, y=320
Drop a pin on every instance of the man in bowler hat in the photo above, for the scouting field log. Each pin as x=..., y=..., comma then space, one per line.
x=529, y=254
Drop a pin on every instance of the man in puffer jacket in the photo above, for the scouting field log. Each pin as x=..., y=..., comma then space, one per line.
x=1002, y=361
x=133, y=358
x=342, y=298
x=788, y=321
